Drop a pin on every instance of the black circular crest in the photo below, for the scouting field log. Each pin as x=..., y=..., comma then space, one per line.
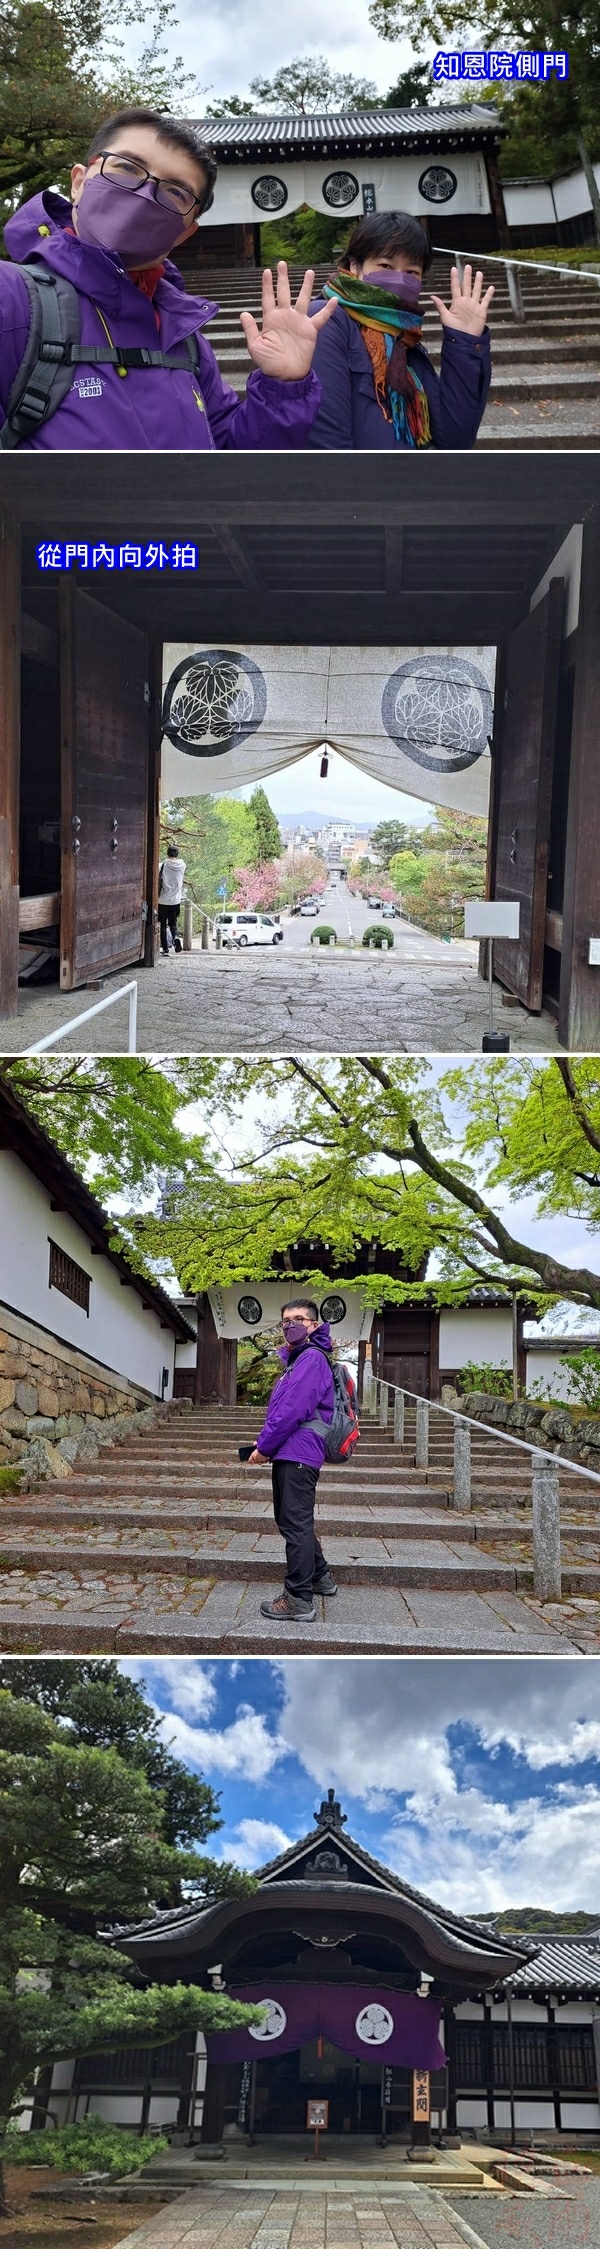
x=333, y=1309
x=269, y=193
x=339, y=189
x=214, y=699
x=438, y=184
x=438, y=709
x=250, y=1310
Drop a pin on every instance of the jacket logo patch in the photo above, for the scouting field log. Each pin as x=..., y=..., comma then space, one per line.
x=89, y=386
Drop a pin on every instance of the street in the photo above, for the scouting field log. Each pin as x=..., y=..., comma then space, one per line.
x=350, y=915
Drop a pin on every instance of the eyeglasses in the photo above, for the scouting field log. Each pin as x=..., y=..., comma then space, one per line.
x=127, y=172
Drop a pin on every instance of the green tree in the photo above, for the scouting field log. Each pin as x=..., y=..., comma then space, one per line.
x=267, y=826
x=539, y=24
x=116, y=1117
x=414, y=89
x=392, y=836
x=215, y=835
x=80, y=1847
x=63, y=68
x=386, y=1160
x=308, y=83
x=407, y=870
x=104, y=1709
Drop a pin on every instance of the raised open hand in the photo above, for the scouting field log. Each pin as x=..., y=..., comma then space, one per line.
x=467, y=309
x=285, y=344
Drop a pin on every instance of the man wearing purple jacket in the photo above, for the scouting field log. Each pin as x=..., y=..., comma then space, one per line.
x=292, y=1440
x=140, y=193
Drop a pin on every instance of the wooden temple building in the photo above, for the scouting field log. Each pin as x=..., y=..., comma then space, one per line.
x=448, y=550
x=407, y=2019
x=440, y=163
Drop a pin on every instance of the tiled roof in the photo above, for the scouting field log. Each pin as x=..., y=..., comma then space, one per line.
x=365, y=130
x=560, y=1966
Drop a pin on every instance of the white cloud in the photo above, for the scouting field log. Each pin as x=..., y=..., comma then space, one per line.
x=480, y=1855
x=381, y=1726
x=245, y=1747
x=254, y=1842
x=189, y=1687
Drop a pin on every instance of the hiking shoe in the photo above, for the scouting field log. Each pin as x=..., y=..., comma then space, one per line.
x=325, y=1584
x=287, y=1609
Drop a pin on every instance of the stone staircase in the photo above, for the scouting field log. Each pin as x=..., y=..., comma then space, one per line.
x=546, y=380
x=167, y=1543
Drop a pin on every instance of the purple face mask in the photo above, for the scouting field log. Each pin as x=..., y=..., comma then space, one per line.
x=294, y=1331
x=138, y=228
x=406, y=285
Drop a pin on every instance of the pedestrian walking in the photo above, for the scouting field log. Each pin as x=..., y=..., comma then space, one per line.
x=170, y=893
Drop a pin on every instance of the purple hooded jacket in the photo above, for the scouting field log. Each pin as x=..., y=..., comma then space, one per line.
x=349, y=418
x=305, y=1388
x=156, y=409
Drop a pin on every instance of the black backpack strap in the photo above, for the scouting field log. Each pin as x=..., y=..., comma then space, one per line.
x=44, y=376
x=53, y=348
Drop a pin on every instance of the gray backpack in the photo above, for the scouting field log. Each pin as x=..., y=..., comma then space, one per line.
x=342, y=1433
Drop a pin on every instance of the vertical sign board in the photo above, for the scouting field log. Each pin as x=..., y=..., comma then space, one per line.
x=317, y=2119
x=524, y=743
x=245, y=2083
x=421, y=2103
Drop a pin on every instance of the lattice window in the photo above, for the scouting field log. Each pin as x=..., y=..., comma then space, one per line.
x=131, y=2066
x=69, y=1277
x=576, y=2059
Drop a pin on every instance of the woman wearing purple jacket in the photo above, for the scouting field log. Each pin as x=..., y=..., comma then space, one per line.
x=289, y=1438
x=139, y=374
x=378, y=386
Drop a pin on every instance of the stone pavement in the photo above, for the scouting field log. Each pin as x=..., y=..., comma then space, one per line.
x=261, y=1001
x=166, y=1543
x=523, y=2222
x=223, y=2218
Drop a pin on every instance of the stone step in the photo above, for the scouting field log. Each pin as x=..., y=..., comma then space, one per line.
x=103, y=1612
x=401, y=1561
x=399, y=1521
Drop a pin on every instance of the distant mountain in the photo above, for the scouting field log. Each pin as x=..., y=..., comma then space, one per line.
x=529, y=1919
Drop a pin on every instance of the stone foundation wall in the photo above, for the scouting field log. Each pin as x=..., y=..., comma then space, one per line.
x=57, y=1406
x=556, y=1428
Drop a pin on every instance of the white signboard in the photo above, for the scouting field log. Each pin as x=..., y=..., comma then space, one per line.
x=491, y=917
x=417, y=719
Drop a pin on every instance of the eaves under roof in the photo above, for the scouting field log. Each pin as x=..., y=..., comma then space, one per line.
x=370, y=132
x=21, y=1133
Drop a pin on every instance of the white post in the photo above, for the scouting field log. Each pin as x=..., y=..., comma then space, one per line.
x=399, y=1418
x=514, y=290
x=422, y=1434
x=132, y=1020
x=545, y=1495
x=369, y=1398
x=384, y=1397
x=461, y=1497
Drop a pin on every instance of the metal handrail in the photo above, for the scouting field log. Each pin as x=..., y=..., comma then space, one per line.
x=528, y=265
x=129, y=991
x=499, y=1432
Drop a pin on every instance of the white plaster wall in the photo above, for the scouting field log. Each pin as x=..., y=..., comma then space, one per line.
x=545, y=1367
x=118, y=1334
x=572, y=193
x=523, y=2011
x=471, y=2112
x=530, y=205
x=528, y=2115
x=566, y=563
x=477, y=1332
x=580, y=2116
x=115, y=2108
x=576, y=2011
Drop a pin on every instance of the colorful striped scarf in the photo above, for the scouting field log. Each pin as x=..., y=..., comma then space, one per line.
x=388, y=329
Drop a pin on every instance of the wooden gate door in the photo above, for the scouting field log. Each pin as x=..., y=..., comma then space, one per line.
x=524, y=739
x=404, y=1338
x=105, y=757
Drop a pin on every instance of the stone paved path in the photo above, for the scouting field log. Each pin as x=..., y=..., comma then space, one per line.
x=220, y=2218
x=526, y=2223
x=282, y=1003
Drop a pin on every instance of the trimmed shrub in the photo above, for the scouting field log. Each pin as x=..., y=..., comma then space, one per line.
x=495, y=1381
x=321, y=935
x=92, y=2145
x=378, y=934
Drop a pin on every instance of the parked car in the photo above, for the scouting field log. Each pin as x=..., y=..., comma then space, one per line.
x=249, y=929
x=374, y=905
x=388, y=909
x=310, y=907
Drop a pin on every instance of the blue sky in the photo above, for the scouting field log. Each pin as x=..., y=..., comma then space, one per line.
x=476, y=1780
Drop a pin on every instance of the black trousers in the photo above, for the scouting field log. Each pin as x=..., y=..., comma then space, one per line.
x=168, y=917
x=294, y=1494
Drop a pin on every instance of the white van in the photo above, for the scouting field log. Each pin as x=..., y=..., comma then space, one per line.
x=248, y=929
